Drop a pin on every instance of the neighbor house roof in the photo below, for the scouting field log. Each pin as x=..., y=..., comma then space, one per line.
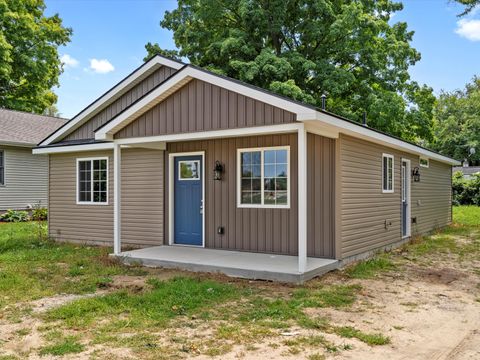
x=18, y=128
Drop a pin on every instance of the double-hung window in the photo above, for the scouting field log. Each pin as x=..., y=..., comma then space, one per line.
x=92, y=181
x=264, y=177
x=387, y=173
x=2, y=167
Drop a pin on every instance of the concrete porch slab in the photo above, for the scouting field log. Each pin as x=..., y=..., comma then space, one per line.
x=246, y=265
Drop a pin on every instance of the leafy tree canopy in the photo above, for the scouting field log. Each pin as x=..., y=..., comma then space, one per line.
x=29, y=61
x=469, y=5
x=457, y=123
x=346, y=49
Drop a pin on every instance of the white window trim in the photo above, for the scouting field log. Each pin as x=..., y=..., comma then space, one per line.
x=426, y=159
x=91, y=202
x=388, y=156
x=239, y=178
x=3, y=184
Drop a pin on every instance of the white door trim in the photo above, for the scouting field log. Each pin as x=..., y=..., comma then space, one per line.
x=171, y=202
x=408, y=171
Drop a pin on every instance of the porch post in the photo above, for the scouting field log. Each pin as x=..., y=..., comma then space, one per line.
x=302, y=199
x=117, y=159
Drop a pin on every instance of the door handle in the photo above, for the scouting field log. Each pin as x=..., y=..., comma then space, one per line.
x=201, y=207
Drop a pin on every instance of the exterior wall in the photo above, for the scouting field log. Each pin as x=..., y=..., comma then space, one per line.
x=26, y=179
x=370, y=219
x=200, y=106
x=256, y=230
x=142, y=188
x=78, y=223
x=86, y=131
x=320, y=196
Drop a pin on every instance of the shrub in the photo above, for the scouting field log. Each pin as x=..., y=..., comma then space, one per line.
x=39, y=214
x=466, y=191
x=15, y=216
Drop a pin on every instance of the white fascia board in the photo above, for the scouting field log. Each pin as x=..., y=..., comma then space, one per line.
x=180, y=79
x=80, y=118
x=365, y=133
x=17, y=144
x=72, y=148
x=215, y=134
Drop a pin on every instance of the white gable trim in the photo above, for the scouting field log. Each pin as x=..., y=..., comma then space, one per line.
x=180, y=79
x=129, y=81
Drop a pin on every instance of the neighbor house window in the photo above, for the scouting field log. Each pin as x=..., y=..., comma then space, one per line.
x=424, y=162
x=92, y=181
x=263, y=177
x=2, y=167
x=387, y=173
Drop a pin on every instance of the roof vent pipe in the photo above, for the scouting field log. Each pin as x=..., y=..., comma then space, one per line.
x=324, y=100
x=364, y=122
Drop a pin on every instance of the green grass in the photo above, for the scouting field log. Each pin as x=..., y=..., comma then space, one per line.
x=32, y=267
x=466, y=215
x=368, y=269
x=370, y=339
x=63, y=346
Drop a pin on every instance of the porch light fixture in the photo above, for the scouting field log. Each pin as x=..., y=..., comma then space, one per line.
x=218, y=170
x=416, y=174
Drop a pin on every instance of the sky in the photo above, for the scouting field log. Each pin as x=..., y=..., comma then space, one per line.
x=109, y=38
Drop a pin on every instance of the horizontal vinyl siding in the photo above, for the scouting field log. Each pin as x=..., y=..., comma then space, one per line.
x=142, y=188
x=321, y=196
x=364, y=208
x=86, y=131
x=200, y=106
x=257, y=230
x=26, y=179
x=78, y=223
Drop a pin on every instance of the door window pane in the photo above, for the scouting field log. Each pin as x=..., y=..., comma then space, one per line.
x=189, y=170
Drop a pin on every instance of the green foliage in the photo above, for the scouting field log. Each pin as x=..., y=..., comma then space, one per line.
x=370, y=268
x=466, y=215
x=15, y=216
x=457, y=123
x=469, y=5
x=370, y=339
x=29, y=61
x=466, y=191
x=39, y=214
x=63, y=346
x=302, y=49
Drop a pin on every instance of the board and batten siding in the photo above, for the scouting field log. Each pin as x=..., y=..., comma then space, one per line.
x=201, y=106
x=370, y=219
x=142, y=200
x=86, y=131
x=142, y=189
x=320, y=196
x=26, y=179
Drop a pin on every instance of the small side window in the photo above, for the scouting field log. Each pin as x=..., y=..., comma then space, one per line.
x=424, y=162
x=387, y=173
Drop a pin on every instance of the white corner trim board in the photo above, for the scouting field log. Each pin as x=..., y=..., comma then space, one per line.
x=78, y=120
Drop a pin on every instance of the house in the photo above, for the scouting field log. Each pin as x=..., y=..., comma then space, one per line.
x=467, y=171
x=203, y=172
x=23, y=176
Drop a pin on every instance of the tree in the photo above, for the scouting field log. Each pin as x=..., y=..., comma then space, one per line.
x=469, y=5
x=457, y=123
x=346, y=49
x=29, y=60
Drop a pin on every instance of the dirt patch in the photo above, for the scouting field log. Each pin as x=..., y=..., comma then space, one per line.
x=438, y=276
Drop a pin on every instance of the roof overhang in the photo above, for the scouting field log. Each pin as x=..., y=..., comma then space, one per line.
x=16, y=144
x=63, y=148
x=111, y=95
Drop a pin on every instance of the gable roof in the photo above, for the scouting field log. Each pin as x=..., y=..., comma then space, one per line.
x=111, y=95
x=18, y=128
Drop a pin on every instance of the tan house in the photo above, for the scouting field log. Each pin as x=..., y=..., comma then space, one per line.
x=23, y=176
x=198, y=171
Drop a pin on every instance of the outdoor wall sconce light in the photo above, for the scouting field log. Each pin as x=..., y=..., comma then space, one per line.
x=218, y=170
x=416, y=174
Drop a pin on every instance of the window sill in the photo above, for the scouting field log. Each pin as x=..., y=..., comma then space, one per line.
x=248, y=206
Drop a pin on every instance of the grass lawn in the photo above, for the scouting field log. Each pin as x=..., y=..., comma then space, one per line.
x=171, y=314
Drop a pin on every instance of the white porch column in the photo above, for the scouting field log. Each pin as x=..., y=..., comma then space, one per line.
x=117, y=163
x=302, y=199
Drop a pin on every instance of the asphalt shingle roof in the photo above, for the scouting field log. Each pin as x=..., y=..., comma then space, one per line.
x=26, y=128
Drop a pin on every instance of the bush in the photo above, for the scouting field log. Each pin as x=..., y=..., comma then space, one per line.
x=15, y=216
x=39, y=214
x=466, y=191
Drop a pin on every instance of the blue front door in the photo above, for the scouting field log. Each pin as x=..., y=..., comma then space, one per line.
x=188, y=200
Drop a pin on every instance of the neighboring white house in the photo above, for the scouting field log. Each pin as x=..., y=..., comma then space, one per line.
x=23, y=176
